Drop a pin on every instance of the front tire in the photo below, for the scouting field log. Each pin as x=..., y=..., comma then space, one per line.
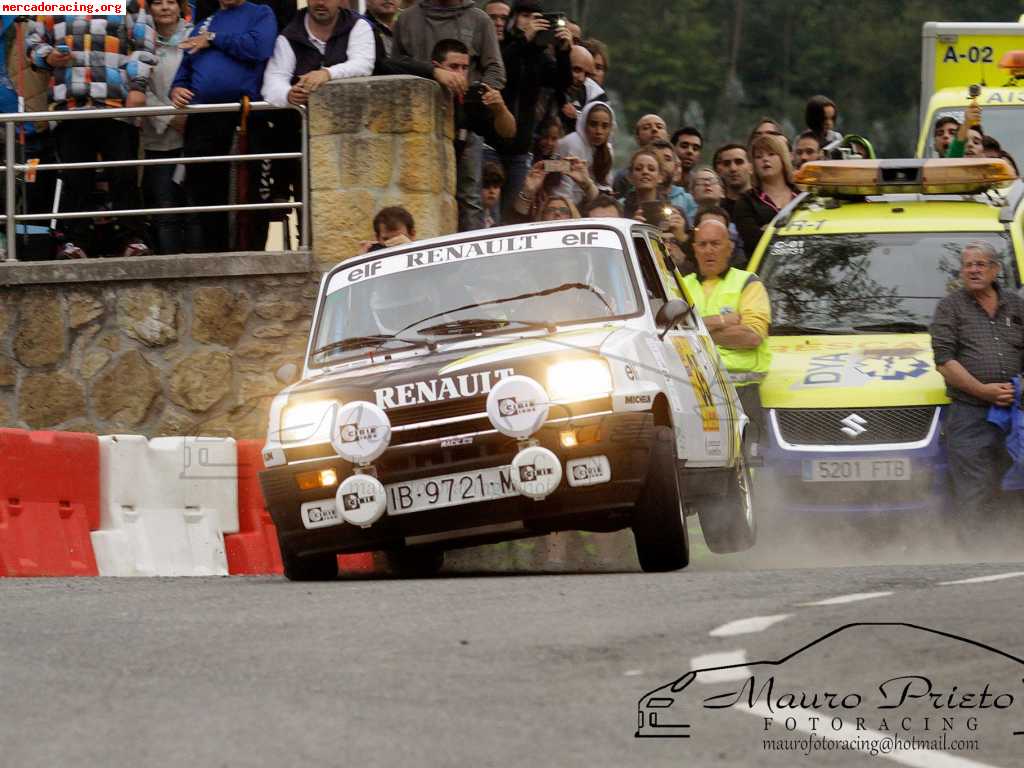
x=728, y=522
x=309, y=567
x=659, y=518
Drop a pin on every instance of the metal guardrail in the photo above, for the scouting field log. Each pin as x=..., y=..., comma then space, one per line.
x=11, y=167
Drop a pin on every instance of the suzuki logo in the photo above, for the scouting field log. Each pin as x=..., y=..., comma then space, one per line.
x=855, y=426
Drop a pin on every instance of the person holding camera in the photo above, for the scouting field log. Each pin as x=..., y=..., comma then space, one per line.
x=392, y=226
x=417, y=34
x=536, y=56
x=480, y=113
x=646, y=202
x=590, y=141
x=545, y=181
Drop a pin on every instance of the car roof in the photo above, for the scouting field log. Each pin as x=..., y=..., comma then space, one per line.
x=625, y=227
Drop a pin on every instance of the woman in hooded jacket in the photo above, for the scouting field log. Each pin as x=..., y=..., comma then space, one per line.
x=591, y=141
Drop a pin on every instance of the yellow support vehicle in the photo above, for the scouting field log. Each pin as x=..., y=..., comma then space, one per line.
x=854, y=268
x=957, y=55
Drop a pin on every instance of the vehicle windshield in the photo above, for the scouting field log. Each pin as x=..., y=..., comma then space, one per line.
x=868, y=283
x=1004, y=124
x=542, y=278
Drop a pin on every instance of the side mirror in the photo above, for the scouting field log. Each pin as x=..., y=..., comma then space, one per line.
x=670, y=314
x=287, y=373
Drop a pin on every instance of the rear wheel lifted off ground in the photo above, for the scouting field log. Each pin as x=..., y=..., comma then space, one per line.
x=415, y=563
x=728, y=521
x=659, y=519
x=309, y=567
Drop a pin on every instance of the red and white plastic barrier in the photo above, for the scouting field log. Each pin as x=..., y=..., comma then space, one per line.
x=124, y=505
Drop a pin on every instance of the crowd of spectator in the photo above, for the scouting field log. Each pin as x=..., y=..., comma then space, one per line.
x=534, y=126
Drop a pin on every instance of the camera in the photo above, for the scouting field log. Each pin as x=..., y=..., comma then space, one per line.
x=474, y=94
x=547, y=36
x=557, y=166
x=656, y=212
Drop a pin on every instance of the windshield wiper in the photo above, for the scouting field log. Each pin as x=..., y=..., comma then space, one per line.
x=789, y=329
x=533, y=294
x=894, y=326
x=480, y=324
x=375, y=340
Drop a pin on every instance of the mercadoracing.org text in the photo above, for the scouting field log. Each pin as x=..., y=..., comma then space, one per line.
x=28, y=8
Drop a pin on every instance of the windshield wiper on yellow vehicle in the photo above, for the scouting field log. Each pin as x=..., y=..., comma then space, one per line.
x=791, y=329
x=893, y=326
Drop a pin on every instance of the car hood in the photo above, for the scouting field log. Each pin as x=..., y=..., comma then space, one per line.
x=852, y=372
x=450, y=374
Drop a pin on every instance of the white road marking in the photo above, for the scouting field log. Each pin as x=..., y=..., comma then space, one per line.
x=633, y=672
x=843, y=599
x=726, y=659
x=748, y=626
x=849, y=734
x=983, y=579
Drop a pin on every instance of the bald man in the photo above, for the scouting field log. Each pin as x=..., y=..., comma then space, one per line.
x=734, y=306
x=583, y=90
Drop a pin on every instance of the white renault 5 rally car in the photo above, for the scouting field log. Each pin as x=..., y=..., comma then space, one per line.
x=501, y=384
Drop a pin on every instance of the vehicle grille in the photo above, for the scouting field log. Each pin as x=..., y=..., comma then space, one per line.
x=446, y=409
x=824, y=426
x=410, y=417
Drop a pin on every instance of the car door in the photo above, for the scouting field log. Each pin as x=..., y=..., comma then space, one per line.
x=714, y=399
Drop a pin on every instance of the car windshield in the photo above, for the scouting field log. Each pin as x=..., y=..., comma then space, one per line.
x=1004, y=124
x=867, y=283
x=541, y=278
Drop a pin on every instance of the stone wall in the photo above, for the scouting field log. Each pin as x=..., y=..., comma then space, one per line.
x=187, y=345
x=376, y=142
x=175, y=346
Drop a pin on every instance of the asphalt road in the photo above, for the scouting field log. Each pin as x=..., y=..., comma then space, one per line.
x=485, y=667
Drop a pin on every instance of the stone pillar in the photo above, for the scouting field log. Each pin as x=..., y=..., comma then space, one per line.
x=376, y=142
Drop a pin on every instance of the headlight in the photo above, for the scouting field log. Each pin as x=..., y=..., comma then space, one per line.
x=579, y=380
x=301, y=421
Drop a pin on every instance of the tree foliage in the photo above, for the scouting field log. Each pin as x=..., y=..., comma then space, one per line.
x=674, y=57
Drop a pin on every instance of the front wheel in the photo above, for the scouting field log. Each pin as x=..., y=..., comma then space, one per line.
x=659, y=519
x=728, y=521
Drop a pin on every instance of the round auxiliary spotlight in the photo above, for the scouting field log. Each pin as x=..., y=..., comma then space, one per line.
x=536, y=472
x=361, y=500
x=517, y=406
x=361, y=432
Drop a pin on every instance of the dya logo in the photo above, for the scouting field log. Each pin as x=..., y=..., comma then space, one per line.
x=853, y=426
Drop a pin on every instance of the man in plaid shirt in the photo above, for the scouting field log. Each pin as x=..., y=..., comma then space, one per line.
x=978, y=344
x=97, y=62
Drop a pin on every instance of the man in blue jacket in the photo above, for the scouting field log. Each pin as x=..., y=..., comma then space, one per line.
x=224, y=61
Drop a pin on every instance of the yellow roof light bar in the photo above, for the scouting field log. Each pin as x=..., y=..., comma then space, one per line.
x=966, y=176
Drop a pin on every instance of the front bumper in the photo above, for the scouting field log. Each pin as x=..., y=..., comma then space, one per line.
x=926, y=490
x=625, y=439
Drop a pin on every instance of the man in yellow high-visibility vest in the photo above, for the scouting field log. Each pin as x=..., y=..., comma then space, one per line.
x=734, y=306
